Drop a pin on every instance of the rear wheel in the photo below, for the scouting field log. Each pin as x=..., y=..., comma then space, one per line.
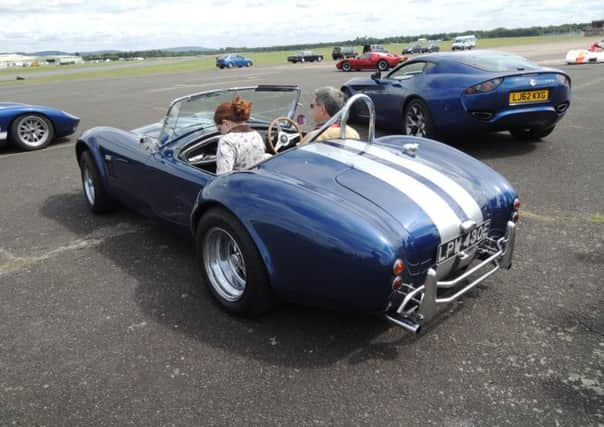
x=382, y=65
x=320, y=58
x=230, y=65
x=532, y=134
x=231, y=265
x=346, y=66
x=31, y=132
x=417, y=120
x=97, y=198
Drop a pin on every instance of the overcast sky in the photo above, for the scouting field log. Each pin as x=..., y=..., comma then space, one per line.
x=85, y=25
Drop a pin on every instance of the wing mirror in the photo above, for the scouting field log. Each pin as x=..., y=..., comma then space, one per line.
x=149, y=143
x=376, y=76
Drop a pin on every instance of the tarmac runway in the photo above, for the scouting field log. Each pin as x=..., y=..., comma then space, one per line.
x=104, y=321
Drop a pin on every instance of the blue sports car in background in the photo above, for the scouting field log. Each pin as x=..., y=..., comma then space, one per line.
x=233, y=60
x=397, y=225
x=32, y=127
x=443, y=94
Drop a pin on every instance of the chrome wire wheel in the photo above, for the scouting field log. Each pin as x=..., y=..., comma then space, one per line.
x=88, y=186
x=33, y=131
x=224, y=264
x=415, y=121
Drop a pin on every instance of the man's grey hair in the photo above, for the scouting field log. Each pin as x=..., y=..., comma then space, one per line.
x=331, y=98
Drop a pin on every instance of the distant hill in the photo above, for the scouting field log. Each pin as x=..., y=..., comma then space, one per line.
x=45, y=53
x=187, y=49
x=101, y=52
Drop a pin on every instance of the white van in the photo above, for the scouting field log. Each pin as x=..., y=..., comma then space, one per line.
x=464, y=42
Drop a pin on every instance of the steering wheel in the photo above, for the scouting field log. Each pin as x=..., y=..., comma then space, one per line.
x=284, y=139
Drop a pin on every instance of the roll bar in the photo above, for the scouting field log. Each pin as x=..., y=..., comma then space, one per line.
x=344, y=114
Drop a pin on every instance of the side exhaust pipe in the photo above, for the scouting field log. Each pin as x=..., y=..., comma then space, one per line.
x=404, y=322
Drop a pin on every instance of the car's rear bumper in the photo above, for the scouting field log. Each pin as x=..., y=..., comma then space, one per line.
x=420, y=304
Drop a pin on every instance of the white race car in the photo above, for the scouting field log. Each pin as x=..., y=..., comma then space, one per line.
x=583, y=56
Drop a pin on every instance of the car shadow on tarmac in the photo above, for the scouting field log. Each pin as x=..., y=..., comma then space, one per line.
x=9, y=148
x=170, y=292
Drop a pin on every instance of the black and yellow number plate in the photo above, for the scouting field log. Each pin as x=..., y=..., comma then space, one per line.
x=529, y=96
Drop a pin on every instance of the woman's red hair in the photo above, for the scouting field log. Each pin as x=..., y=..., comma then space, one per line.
x=236, y=111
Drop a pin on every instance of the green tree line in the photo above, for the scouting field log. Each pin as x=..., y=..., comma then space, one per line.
x=495, y=33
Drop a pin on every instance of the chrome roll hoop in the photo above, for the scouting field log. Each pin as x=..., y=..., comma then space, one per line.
x=343, y=115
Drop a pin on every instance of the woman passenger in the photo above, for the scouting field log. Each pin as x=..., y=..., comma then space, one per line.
x=239, y=147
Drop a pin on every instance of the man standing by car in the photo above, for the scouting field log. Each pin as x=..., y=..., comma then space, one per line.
x=327, y=102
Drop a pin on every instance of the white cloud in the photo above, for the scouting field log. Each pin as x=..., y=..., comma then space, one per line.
x=78, y=25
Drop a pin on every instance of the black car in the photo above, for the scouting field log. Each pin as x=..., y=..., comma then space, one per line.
x=412, y=48
x=432, y=47
x=305, y=56
x=344, y=52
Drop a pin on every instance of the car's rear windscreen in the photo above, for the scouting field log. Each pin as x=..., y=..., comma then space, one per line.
x=497, y=62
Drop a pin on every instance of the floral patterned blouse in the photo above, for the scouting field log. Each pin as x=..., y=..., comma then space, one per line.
x=241, y=148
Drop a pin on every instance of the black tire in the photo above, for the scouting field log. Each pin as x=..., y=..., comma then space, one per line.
x=257, y=297
x=532, y=134
x=248, y=64
x=412, y=111
x=99, y=201
x=382, y=65
x=25, y=139
x=346, y=66
x=302, y=60
x=320, y=58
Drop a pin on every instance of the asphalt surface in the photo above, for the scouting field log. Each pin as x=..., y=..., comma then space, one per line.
x=104, y=319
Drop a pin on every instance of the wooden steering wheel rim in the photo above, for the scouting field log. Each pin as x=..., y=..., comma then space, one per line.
x=270, y=130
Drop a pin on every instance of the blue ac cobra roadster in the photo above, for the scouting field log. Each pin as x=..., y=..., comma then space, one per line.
x=32, y=127
x=446, y=94
x=397, y=225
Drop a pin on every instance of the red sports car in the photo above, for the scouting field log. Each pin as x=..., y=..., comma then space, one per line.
x=371, y=61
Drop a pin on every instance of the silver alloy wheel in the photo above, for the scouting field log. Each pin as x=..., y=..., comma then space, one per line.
x=346, y=66
x=415, y=121
x=224, y=264
x=32, y=131
x=88, y=186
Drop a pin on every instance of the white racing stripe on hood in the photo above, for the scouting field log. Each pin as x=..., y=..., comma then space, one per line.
x=465, y=201
x=435, y=207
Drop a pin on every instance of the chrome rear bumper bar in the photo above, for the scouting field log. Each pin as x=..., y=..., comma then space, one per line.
x=420, y=304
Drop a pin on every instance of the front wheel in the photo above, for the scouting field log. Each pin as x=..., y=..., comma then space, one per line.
x=97, y=198
x=417, y=120
x=231, y=265
x=320, y=58
x=31, y=132
x=346, y=66
x=230, y=65
x=532, y=134
x=382, y=65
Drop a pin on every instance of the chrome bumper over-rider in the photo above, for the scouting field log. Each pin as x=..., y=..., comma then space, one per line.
x=420, y=304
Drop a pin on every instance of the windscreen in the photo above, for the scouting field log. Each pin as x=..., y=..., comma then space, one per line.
x=197, y=111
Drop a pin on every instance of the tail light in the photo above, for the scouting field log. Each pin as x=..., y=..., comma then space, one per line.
x=483, y=87
x=563, y=79
x=516, y=215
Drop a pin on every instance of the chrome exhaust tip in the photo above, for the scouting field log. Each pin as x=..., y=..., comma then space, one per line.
x=404, y=322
